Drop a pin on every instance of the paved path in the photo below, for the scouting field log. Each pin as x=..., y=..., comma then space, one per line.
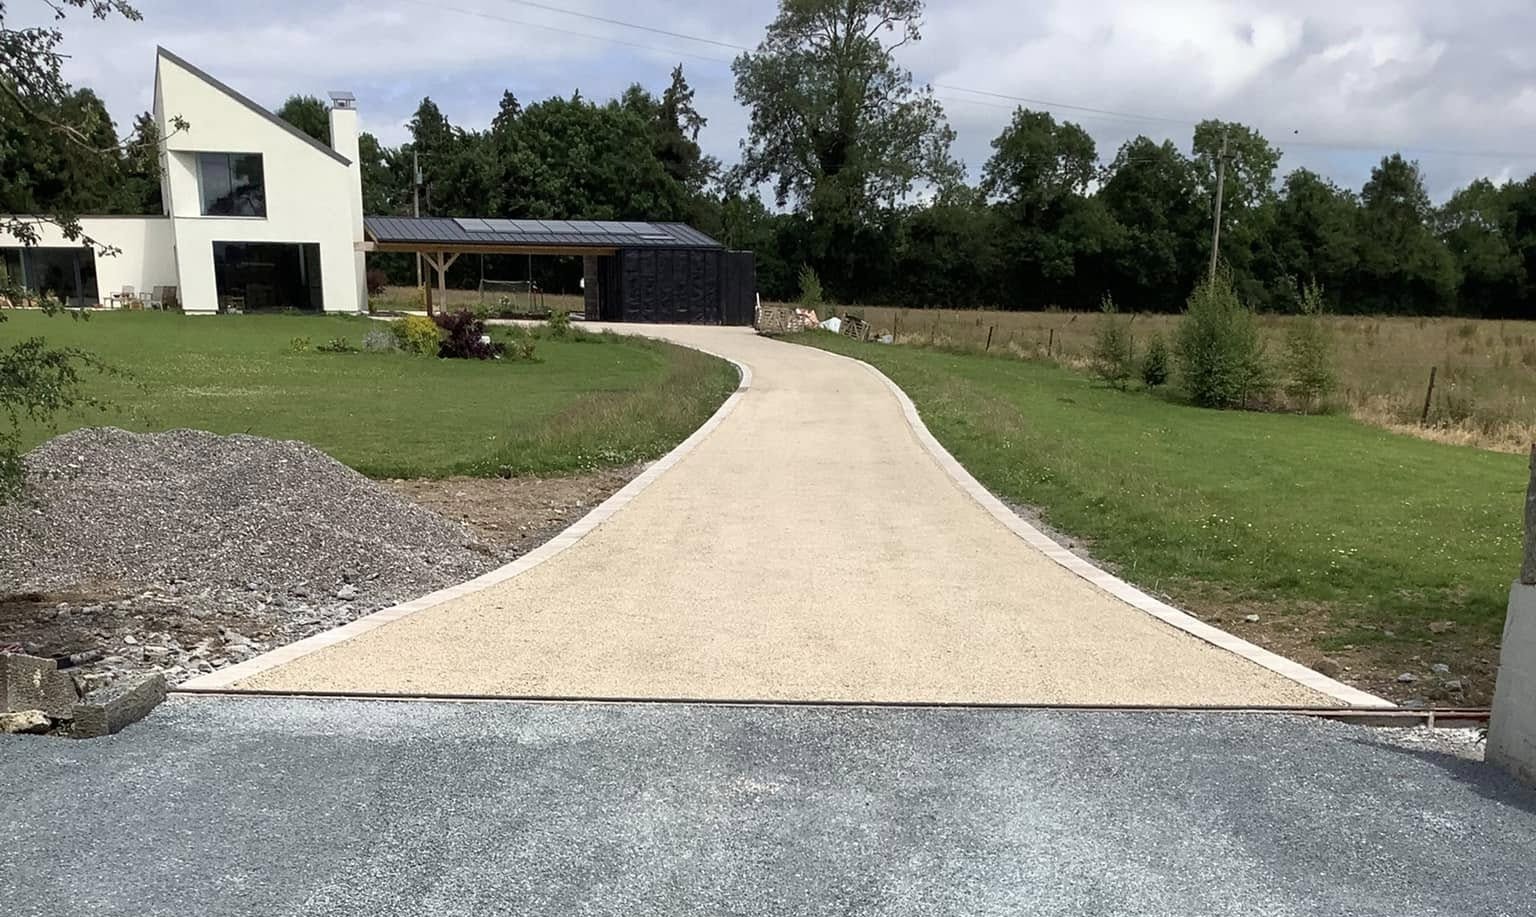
x=377, y=809
x=808, y=548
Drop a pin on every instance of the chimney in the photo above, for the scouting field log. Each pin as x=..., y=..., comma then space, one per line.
x=344, y=142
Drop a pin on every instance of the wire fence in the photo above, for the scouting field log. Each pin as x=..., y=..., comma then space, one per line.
x=1460, y=380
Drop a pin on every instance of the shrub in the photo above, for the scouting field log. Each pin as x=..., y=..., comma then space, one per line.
x=1309, y=349
x=376, y=280
x=1114, y=356
x=299, y=345
x=558, y=323
x=522, y=349
x=1219, y=351
x=1154, y=365
x=337, y=345
x=416, y=334
x=810, y=288
x=380, y=340
x=464, y=337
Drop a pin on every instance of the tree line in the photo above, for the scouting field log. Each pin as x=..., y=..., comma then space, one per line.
x=861, y=185
x=847, y=168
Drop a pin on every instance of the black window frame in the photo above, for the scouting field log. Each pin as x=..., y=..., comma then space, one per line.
x=226, y=199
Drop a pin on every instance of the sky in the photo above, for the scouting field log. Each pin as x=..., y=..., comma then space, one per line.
x=1336, y=83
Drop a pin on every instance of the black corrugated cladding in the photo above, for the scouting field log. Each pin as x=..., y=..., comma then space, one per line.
x=672, y=285
x=738, y=288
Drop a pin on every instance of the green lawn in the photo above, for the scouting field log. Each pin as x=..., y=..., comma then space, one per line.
x=1355, y=537
x=587, y=401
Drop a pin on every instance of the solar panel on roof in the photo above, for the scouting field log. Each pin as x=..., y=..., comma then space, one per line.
x=638, y=228
x=499, y=225
x=473, y=225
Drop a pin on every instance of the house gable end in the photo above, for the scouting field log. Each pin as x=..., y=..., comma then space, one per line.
x=244, y=102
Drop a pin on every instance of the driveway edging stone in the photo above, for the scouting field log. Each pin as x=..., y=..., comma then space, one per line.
x=230, y=676
x=1108, y=582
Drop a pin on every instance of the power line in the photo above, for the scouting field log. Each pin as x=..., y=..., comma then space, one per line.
x=1107, y=113
x=629, y=25
x=482, y=14
x=1045, y=103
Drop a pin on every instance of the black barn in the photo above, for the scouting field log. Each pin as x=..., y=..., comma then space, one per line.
x=633, y=271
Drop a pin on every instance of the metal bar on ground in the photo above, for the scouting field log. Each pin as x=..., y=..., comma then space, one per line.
x=1395, y=716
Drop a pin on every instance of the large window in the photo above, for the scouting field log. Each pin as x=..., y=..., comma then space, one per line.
x=232, y=184
x=252, y=276
x=65, y=274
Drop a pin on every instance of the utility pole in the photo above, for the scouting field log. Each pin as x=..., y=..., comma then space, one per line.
x=416, y=203
x=1221, y=180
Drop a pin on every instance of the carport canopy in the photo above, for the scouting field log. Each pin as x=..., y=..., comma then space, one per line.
x=440, y=240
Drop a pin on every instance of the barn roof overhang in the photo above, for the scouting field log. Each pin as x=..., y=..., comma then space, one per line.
x=534, y=237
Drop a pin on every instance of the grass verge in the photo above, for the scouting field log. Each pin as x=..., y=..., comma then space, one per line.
x=586, y=401
x=1376, y=553
x=1485, y=388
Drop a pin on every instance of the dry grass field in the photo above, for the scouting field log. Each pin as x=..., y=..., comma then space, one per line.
x=1485, y=386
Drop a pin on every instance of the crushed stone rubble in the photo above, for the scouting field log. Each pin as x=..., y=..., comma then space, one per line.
x=185, y=551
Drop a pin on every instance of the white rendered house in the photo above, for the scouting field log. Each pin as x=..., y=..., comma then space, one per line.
x=258, y=215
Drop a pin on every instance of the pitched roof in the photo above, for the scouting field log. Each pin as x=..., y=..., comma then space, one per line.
x=202, y=75
x=469, y=232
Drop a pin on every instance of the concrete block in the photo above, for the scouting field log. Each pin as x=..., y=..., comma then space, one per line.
x=1512, y=729
x=127, y=701
x=1528, y=567
x=33, y=683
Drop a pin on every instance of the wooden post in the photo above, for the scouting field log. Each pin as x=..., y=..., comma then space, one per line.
x=1050, y=343
x=1428, y=395
x=427, y=287
x=989, y=338
x=442, y=278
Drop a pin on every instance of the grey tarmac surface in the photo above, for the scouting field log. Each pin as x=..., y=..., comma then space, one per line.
x=281, y=807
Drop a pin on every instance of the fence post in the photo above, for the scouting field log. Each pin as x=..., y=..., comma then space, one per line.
x=1050, y=344
x=989, y=337
x=1429, y=395
x=1512, y=726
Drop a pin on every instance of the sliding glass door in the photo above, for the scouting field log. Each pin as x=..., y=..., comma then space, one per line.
x=257, y=276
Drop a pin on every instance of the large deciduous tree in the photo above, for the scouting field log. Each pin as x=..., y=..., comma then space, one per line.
x=1403, y=267
x=1243, y=162
x=835, y=123
x=1478, y=227
x=1048, y=234
x=1313, y=236
x=1151, y=191
x=59, y=155
x=675, y=124
x=1036, y=161
x=308, y=114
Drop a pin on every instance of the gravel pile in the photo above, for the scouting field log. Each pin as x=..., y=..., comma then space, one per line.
x=186, y=550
